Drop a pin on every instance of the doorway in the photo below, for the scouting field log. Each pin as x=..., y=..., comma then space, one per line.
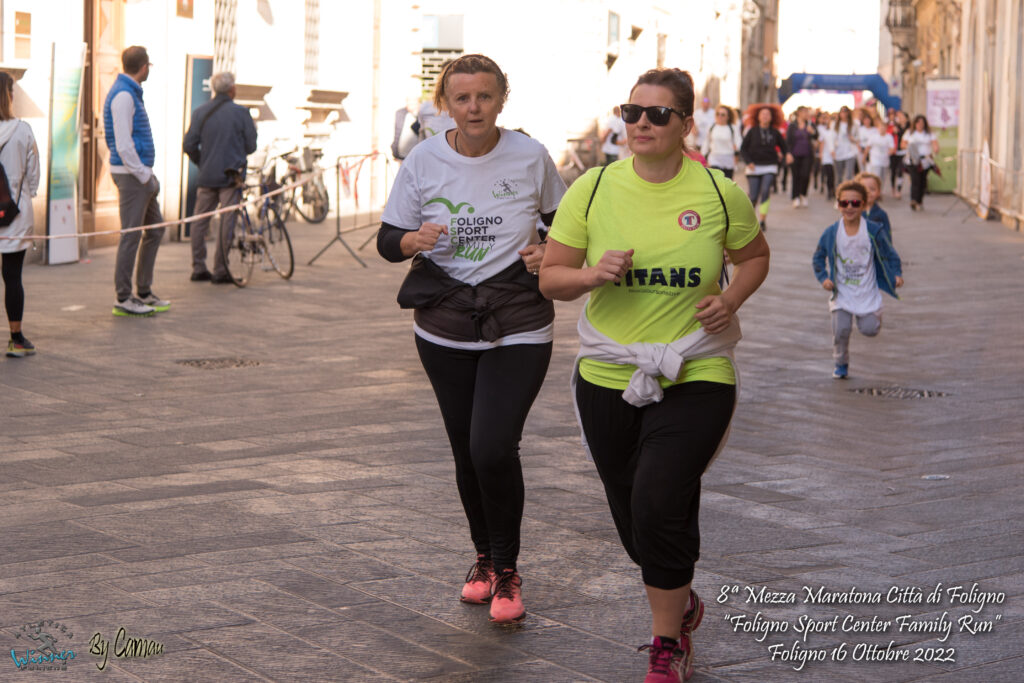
x=104, y=36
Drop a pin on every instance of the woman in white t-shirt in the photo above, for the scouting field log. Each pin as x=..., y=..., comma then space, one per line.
x=846, y=148
x=465, y=204
x=722, y=142
x=921, y=146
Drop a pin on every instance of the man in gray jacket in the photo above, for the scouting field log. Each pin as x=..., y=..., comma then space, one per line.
x=221, y=135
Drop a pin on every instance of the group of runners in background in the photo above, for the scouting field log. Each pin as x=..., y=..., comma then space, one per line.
x=818, y=148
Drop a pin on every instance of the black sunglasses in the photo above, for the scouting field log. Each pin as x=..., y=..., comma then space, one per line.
x=855, y=203
x=658, y=116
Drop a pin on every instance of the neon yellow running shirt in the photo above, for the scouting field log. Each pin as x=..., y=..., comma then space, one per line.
x=677, y=232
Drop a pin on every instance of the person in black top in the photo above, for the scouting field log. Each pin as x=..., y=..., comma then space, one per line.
x=800, y=137
x=762, y=148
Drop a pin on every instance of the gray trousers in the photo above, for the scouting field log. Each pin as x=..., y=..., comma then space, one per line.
x=842, y=325
x=138, y=206
x=844, y=170
x=208, y=199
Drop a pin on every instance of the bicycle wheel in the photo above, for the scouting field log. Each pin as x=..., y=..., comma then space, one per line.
x=312, y=202
x=278, y=244
x=238, y=251
x=286, y=200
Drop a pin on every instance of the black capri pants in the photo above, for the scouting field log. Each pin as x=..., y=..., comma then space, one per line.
x=650, y=460
x=484, y=398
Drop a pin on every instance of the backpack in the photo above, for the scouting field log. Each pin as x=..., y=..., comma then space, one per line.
x=8, y=205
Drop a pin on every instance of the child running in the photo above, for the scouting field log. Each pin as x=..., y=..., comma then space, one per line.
x=872, y=211
x=861, y=263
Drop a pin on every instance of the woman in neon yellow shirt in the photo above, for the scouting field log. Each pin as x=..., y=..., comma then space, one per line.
x=655, y=385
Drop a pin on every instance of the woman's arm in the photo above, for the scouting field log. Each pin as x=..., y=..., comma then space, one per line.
x=750, y=268
x=564, y=277
x=397, y=244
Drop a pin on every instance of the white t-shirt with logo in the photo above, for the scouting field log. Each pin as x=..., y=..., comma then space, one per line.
x=857, y=288
x=489, y=203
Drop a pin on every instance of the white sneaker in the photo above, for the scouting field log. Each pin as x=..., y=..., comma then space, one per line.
x=156, y=303
x=796, y=203
x=803, y=201
x=132, y=307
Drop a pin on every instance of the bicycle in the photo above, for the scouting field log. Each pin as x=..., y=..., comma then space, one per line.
x=266, y=242
x=310, y=200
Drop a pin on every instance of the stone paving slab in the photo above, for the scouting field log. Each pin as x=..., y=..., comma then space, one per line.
x=297, y=519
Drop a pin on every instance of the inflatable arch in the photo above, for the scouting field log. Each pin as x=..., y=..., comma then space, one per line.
x=844, y=82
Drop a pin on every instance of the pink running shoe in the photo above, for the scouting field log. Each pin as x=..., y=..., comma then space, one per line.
x=478, y=582
x=686, y=659
x=665, y=662
x=507, y=601
x=693, y=616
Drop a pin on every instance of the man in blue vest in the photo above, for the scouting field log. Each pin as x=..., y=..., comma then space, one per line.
x=132, y=153
x=221, y=135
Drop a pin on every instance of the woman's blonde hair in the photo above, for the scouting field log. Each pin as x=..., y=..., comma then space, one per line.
x=469, y=64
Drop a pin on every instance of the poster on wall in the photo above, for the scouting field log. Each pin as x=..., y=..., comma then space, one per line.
x=198, y=71
x=943, y=112
x=62, y=216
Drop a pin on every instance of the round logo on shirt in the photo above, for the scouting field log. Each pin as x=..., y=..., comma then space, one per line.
x=689, y=220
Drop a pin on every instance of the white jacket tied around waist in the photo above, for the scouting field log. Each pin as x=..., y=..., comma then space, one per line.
x=652, y=361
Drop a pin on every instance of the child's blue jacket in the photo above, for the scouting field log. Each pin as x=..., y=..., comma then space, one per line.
x=878, y=215
x=887, y=261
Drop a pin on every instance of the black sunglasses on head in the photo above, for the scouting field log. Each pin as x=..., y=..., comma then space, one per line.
x=658, y=116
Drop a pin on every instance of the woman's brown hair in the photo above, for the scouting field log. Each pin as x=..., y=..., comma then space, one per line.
x=728, y=113
x=678, y=81
x=6, y=96
x=469, y=64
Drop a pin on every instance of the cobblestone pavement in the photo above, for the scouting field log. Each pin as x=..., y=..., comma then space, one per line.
x=296, y=519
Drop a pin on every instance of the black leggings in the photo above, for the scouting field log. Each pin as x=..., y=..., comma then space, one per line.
x=801, y=176
x=828, y=178
x=896, y=172
x=14, y=292
x=650, y=460
x=918, y=183
x=484, y=398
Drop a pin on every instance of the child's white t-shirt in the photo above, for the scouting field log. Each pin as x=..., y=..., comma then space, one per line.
x=856, y=287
